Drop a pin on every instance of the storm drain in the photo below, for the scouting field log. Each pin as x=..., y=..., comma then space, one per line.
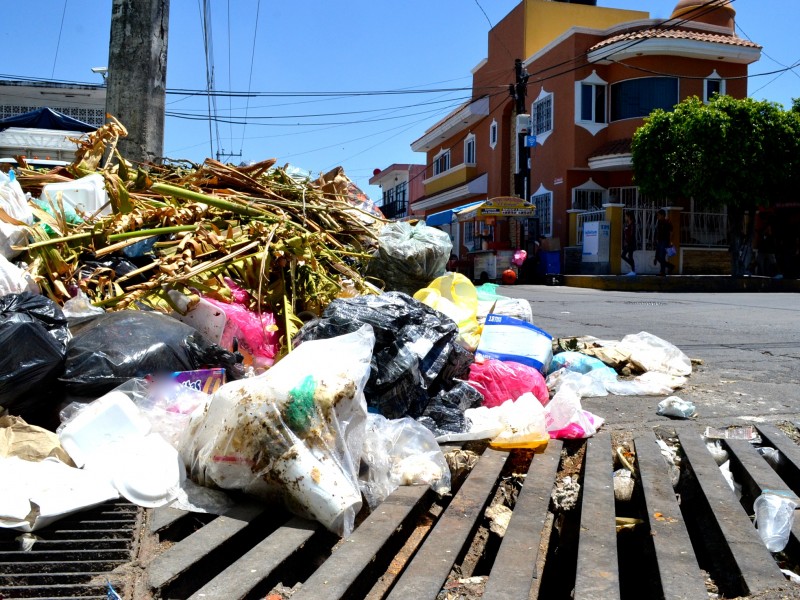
x=71, y=558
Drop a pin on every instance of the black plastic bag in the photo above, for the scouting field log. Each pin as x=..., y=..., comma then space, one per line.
x=445, y=412
x=33, y=336
x=415, y=354
x=117, y=346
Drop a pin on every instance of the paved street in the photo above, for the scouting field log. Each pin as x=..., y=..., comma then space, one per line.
x=749, y=345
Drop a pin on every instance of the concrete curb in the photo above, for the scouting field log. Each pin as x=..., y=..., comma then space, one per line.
x=682, y=283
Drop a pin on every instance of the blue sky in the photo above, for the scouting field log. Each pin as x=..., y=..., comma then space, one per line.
x=314, y=46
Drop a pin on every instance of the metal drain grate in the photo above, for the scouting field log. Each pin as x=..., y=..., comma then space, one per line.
x=70, y=557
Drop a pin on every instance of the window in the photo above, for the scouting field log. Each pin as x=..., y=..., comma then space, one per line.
x=639, y=97
x=442, y=162
x=400, y=197
x=542, y=116
x=543, y=199
x=590, y=103
x=469, y=236
x=493, y=135
x=593, y=103
x=587, y=199
x=714, y=84
x=588, y=196
x=469, y=150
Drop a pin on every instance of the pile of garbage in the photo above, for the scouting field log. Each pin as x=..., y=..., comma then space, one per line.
x=182, y=333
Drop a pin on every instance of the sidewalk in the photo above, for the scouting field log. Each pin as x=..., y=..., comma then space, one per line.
x=682, y=283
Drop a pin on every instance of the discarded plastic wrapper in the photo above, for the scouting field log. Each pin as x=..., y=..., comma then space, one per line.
x=651, y=353
x=676, y=407
x=294, y=433
x=566, y=419
x=400, y=452
x=744, y=432
x=522, y=422
x=774, y=511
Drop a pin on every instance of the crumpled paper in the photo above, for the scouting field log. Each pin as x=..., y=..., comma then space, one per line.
x=29, y=442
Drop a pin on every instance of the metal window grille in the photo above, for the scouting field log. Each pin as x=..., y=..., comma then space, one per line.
x=544, y=212
x=543, y=115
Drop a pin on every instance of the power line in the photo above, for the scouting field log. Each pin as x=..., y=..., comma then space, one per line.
x=58, y=43
x=250, y=79
x=350, y=112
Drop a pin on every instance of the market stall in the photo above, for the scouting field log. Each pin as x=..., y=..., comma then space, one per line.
x=494, y=230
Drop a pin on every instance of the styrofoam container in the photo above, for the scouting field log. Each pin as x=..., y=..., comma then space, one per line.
x=108, y=420
x=87, y=194
x=208, y=319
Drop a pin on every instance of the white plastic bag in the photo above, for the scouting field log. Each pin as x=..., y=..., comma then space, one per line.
x=676, y=407
x=15, y=204
x=521, y=423
x=400, y=452
x=294, y=433
x=14, y=280
x=651, y=353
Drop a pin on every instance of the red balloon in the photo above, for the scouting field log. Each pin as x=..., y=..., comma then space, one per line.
x=509, y=276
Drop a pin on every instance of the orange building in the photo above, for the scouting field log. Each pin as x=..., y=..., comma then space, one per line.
x=590, y=75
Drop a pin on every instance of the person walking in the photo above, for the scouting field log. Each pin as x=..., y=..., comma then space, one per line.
x=663, y=241
x=629, y=242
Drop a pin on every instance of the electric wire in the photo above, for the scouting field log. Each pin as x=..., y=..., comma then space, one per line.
x=250, y=78
x=58, y=41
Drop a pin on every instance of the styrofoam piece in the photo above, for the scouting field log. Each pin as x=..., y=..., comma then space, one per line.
x=208, y=319
x=148, y=471
x=108, y=420
x=87, y=194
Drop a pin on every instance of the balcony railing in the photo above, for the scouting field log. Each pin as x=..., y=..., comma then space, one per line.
x=395, y=210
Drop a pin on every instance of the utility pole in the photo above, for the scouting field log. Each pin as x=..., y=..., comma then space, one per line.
x=137, y=75
x=518, y=92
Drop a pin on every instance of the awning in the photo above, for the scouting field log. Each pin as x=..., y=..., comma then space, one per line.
x=445, y=217
x=505, y=206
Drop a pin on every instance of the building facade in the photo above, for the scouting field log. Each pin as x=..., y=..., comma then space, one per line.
x=401, y=186
x=592, y=75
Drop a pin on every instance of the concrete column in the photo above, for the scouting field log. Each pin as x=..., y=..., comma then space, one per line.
x=572, y=215
x=614, y=214
x=137, y=75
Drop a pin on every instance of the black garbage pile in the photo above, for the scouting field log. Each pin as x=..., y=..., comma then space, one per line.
x=417, y=366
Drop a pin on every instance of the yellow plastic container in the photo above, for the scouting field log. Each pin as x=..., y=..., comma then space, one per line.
x=455, y=296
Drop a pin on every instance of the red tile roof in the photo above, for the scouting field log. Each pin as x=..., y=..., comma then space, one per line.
x=614, y=147
x=676, y=34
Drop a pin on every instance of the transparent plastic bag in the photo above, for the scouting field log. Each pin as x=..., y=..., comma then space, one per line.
x=774, y=517
x=400, y=452
x=566, y=419
x=294, y=433
x=410, y=256
x=521, y=423
x=650, y=353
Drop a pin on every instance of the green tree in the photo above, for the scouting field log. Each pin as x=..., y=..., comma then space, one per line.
x=739, y=153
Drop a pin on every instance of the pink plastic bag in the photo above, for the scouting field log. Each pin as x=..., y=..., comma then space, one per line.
x=500, y=380
x=565, y=418
x=256, y=334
